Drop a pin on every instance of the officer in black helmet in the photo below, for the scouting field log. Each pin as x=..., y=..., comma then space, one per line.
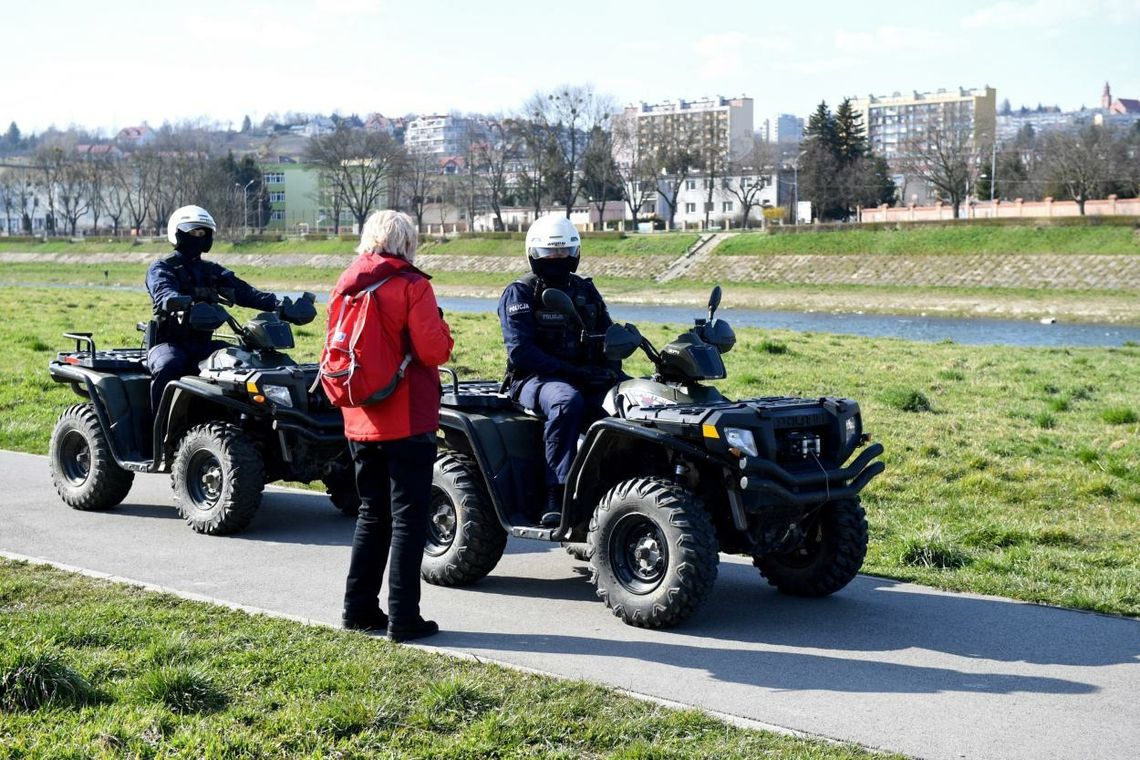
x=550, y=369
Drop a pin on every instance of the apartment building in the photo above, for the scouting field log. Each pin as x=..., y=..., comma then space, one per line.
x=443, y=135
x=892, y=122
x=787, y=129
x=723, y=123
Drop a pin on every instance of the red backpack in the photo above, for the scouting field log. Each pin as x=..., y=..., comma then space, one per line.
x=359, y=364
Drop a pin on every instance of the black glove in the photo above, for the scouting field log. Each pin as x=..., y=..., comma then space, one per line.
x=299, y=312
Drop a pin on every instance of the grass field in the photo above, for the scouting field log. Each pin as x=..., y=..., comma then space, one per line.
x=1009, y=471
x=94, y=669
x=943, y=240
x=964, y=239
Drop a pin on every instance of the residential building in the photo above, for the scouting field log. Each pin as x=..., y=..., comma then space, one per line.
x=727, y=194
x=892, y=122
x=724, y=123
x=440, y=134
x=787, y=129
x=297, y=201
x=135, y=137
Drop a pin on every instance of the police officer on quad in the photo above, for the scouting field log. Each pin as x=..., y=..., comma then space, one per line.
x=550, y=368
x=177, y=347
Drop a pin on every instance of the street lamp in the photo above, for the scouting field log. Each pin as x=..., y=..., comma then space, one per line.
x=245, y=207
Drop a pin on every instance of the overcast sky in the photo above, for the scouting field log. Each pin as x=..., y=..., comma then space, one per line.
x=114, y=63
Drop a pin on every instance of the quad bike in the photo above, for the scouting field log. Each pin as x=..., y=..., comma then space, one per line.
x=247, y=418
x=675, y=474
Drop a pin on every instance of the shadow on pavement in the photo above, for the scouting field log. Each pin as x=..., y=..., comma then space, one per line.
x=773, y=670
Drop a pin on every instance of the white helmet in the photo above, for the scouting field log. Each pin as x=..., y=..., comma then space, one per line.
x=552, y=236
x=188, y=218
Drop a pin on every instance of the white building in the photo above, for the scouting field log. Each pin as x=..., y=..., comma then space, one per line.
x=443, y=135
x=727, y=122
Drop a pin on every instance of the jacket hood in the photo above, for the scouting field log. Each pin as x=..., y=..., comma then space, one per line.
x=369, y=268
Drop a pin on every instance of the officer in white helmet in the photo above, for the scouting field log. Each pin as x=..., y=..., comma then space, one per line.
x=176, y=347
x=550, y=369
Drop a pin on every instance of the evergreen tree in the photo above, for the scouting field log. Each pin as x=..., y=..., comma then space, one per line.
x=12, y=137
x=246, y=124
x=850, y=136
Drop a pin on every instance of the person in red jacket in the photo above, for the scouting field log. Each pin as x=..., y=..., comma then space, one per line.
x=393, y=442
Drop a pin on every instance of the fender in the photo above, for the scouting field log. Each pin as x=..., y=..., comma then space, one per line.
x=173, y=409
x=583, y=489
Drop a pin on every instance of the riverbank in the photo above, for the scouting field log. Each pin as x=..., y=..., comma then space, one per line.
x=1093, y=288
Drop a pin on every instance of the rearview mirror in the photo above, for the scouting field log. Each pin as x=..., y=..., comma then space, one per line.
x=556, y=300
x=714, y=301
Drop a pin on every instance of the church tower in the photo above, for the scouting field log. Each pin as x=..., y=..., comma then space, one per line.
x=1106, y=97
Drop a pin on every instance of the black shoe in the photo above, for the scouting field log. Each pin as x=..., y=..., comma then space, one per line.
x=552, y=517
x=376, y=622
x=418, y=629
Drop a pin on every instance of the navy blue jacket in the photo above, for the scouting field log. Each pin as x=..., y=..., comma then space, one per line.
x=543, y=342
x=179, y=275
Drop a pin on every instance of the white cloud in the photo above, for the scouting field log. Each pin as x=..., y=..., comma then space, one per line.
x=889, y=39
x=721, y=54
x=1011, y=15
x=348, y=7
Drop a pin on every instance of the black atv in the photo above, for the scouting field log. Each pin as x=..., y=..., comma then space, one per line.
x=248, y=418
x=674, y=475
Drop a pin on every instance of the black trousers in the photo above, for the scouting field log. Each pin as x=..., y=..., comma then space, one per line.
x=394, y=481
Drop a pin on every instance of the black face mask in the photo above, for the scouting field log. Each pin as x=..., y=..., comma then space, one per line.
x=554, y=272
x=193, y=247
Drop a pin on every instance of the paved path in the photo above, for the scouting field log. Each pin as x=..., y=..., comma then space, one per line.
x=884, y=664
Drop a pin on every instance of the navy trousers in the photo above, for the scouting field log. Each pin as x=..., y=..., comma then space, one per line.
x=394, y=481
x=170, y=361
x=565, y=411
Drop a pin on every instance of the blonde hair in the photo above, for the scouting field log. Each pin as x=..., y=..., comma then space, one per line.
x=389, y=232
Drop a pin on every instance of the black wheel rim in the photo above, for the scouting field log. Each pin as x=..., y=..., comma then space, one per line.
x=639, y=554
x=75, y=458
x=442, y=521
x=205, y=480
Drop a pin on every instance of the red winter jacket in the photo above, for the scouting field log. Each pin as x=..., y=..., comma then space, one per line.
x=407, y=305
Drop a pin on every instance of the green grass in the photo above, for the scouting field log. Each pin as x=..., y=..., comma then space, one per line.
x=977, y=443
x=967, y=239
x=250, y=686
x=673, y=244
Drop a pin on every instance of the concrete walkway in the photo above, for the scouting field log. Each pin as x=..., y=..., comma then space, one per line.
x=884, y=664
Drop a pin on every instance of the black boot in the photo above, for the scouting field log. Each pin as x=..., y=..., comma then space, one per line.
x=552, y=515
x=372, y=622
x=417, y=629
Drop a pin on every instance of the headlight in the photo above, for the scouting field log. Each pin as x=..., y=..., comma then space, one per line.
x=278, y=394
x=738, y=438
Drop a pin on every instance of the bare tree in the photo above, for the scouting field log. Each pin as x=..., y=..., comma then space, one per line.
x=946, y=159
x=568, y=116
x=356, y=165
x=753, y=170
x=73, y=188
x=601, y=180
x=674, y=160
x=418, y=174
x=50, y=160
x=9, y=191
x=496, y=159
x=1080, y=164
x=635, y=166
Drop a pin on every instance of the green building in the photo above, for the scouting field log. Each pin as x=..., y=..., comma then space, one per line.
x=299, y=202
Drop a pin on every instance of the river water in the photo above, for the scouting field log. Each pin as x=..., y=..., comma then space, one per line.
x=1006, y=332
x=1003, y=332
